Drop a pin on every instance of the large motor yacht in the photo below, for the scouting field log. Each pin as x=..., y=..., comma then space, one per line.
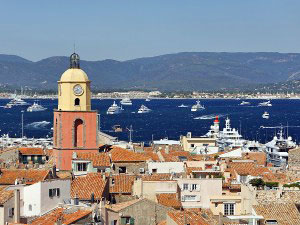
x=144, y=109
x=230, y=137
x=197, y=107
x=277, y=149
x=36, y=108
x=126, y=101
x=267, y=103
x=16, y=101
x=114, y=109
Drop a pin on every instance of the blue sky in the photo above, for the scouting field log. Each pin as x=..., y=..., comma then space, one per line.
x=128, y=29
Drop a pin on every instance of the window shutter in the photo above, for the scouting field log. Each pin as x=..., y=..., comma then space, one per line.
x=131, y=221
x=123, y=220
x=50, y=193
x=198, y=187
x=58, y=192
x=182, y=198
x=181, y=186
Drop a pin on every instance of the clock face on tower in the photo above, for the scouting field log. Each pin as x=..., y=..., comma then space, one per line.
x=77, y=89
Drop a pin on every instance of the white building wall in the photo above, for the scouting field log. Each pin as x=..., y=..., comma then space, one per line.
x=206, y=188
x=166, y=167
x=32, y=196
x=37, y=195
x=52, y=202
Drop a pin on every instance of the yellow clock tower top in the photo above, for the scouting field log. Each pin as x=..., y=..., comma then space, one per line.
x=74, y=93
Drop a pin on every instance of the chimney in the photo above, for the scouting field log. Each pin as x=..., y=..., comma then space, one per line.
x=17, y=206
x=54, y=171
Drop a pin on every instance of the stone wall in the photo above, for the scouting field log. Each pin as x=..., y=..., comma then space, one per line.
x=294, y=159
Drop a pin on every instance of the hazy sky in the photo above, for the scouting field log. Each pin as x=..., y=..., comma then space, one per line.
x=127, y=29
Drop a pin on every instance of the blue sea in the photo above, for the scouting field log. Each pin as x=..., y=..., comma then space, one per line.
x=166, y=118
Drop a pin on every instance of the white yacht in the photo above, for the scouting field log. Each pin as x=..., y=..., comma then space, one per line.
x=277, y=149
x=36, y=108
x=245, y=103
x=267, y=103
x=148, y=99
x=214, y=129
x=197, y=107
x=126, y=101
x=16, y=101
x=144, y=109
x=182, y=106
x=114, y=109
x=230, y=137
x=266, y=115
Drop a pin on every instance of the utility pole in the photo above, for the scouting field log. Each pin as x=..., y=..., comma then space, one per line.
x=22, y=123
x=130, y=134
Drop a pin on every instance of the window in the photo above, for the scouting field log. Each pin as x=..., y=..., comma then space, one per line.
x=54, y=192
x=154, y=170
x=78, y=133
x=127, y=220
x=228, y=209
x=192, y=145
x=122, y=169
x=77, y=102
x=11, y=212
x=194, y=187
x=30, y=207
x=81, y=166
x=190, y=197
x=185, y=186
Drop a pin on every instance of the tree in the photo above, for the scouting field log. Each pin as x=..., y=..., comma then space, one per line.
x=257, y=182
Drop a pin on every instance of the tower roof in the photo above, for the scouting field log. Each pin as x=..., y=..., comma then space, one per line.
x=74, y=73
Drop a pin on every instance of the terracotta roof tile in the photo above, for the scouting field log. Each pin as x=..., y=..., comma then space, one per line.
x=83, y=187
x=169, y=200
x=30, y=176
x=173, y=156
x=67, y=217
x=119, y=206
x=189, y=170
x=188, y=217
x=31, y=151
x=98, y=159
x=285, y=214
x=259, y=157
x=123, y=155
x=248, y=168
x=5, y=195
x=156, y=177
x=121, y=183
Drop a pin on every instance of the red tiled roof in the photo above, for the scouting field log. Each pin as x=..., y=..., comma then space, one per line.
x=60, y=213
x=173, y=156
x=121, y=183
x=259, y=157
x=98, y=159
x=157, y=177
x=83, y=187
x=187, y=217
x=30, y=176
x=5, y=195
x=123, y=155
x=248, y=168
x=31, y=151
x=169, y=200
x=284, y=214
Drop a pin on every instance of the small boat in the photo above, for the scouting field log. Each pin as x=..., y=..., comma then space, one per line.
x=36, y=108
x=147, y=99
x=182, y=106
x=267, y=103
x=126, y=101
x=266, y=115
x=117, y=128
x=144, y=109
x=197, y=107
x=114, y=109
x=245, y=103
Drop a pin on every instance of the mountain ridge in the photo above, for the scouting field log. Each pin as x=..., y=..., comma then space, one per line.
x=184, y=71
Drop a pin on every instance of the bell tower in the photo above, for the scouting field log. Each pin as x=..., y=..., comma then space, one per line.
x=75, y=125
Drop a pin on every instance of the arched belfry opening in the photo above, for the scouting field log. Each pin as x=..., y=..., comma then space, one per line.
x=78, y=133
x=77, y=102
x=74, y=61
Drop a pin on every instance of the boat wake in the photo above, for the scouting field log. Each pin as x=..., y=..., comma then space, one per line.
x=37, y=125
x=209, y=117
